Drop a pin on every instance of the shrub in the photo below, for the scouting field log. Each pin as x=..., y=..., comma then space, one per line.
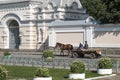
x=3, y=73
x=105, y=63
x=7, y=53
x=77, y=67
x=42, y=72
x=48, y=53
x=48, y=59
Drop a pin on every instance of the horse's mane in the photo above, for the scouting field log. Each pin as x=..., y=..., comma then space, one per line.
x=63, y=45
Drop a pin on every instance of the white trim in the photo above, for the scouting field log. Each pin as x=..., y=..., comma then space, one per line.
x=106, y=29
x=106, y=45
x=69, y=30
x=42, y=78
x=104, y=71
x=101, y=77
x=77, y=76
x=4, y=21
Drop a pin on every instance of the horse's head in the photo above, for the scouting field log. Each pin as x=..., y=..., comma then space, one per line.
x=57, y=45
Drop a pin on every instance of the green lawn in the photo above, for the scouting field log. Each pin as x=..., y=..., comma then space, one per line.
x=15, y=72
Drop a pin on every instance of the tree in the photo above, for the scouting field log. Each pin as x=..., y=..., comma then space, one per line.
x=113, y=10
x=105, y=11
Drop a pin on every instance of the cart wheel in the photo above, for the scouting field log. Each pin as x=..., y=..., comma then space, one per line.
x=99, y=56
x=81, y=55
x=75, y=55
x=70, y=55
x=92, y=55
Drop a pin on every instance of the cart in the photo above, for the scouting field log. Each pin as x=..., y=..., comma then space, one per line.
x=93, y=53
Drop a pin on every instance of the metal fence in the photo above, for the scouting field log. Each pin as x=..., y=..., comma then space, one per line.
x=55, y=63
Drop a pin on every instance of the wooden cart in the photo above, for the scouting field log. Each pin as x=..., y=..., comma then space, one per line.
x=93, y=53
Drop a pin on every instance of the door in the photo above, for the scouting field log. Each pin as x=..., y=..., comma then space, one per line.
x=14, y=39
x=73, y=38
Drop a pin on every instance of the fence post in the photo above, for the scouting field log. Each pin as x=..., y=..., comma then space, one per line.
x=117, y=66
x=42, y=62
x=64, y=64
x=32, y=63
x=53, y=64
x=88, y=65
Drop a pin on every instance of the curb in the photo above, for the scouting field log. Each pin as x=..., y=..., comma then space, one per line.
x=100, y=77
x=17, y=79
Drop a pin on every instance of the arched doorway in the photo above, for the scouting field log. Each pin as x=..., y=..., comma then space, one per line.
x=14, y=39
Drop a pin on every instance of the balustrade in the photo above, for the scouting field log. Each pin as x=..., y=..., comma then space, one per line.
x=55, y=63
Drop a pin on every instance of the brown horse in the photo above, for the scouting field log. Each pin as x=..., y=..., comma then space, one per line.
x=63, y=47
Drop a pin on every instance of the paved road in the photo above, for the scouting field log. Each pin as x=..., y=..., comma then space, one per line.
x=117, y=77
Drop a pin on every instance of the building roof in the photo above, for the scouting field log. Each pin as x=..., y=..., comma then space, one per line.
x=14, y=1
x=59, y=3
x=67, y=23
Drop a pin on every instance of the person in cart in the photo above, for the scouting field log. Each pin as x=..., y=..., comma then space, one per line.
x=85, y=45
x=80, y=45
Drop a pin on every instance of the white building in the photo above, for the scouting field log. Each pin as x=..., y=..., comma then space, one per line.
x=24, y=23
x=32, y=24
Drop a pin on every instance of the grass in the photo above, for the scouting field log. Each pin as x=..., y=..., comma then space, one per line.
x=15, y=72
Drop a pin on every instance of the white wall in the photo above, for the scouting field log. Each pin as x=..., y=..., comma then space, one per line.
x=107, y=35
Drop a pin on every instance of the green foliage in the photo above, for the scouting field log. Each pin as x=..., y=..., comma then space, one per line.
x=112, y=11
x=48, y=53
x=42, y=72
x=105, y=11
x=27, y=72
x=77, y=67
x=7, y=53
x=20, y=72
x=3, y=73
x=49, y=59
x=105, y=63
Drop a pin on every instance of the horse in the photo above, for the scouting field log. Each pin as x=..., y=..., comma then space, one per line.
x=63, y=47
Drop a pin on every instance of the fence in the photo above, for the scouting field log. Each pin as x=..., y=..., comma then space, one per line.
x=55, y=63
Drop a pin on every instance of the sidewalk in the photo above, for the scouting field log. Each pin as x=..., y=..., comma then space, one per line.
x=116, y=77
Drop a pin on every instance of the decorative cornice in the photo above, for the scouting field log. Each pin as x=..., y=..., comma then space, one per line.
x=14, y=7
x=12, y=1
x=17, y=1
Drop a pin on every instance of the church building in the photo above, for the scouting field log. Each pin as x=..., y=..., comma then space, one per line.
x=24, y=23
x=36, y=24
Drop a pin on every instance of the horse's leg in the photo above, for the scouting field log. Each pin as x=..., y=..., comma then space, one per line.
x=61, y=52
x=69, y=52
